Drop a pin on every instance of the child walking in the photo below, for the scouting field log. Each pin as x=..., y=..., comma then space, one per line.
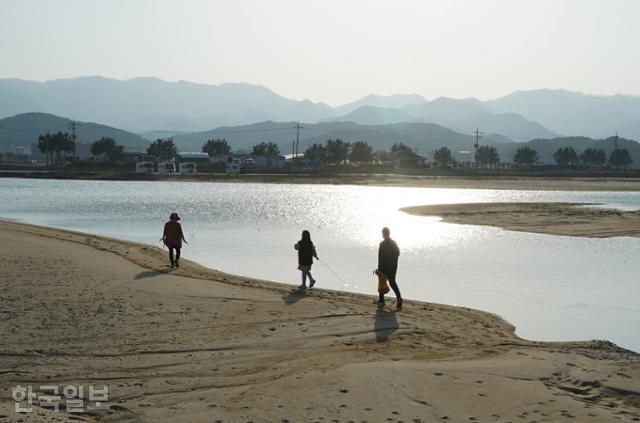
x=172, y=237
x=306, y=253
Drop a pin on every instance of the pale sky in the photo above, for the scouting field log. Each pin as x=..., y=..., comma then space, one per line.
x=332, y=51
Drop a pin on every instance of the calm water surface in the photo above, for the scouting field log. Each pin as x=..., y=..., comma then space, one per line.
x=549, y=287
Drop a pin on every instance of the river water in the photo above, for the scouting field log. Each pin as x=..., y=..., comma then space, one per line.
x=549, y=287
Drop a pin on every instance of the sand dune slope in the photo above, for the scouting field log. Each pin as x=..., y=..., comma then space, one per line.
x=199, y=345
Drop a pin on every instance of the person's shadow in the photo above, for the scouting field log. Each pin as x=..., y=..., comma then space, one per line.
x=294, y=296
x=385, y=324
x=151, y=273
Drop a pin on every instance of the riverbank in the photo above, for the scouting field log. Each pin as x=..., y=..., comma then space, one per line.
x=195, y=344
x=478, y=181
x=567, y=219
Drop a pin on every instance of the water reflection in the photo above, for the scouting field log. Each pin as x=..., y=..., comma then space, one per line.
x=555, y=288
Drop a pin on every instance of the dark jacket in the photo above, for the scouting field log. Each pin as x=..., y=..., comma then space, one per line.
x=388, y=254
x=306, y=252
x=172, y=235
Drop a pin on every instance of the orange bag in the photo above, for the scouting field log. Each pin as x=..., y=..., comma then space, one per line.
x=383, y=286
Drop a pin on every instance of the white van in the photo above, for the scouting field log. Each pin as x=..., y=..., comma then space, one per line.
x=188, y=167
x=145, y=167
x=166, y=167
x=235, y=166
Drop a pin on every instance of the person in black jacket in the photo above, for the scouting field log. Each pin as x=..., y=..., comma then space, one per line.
x=388, y=254
x=306, y=253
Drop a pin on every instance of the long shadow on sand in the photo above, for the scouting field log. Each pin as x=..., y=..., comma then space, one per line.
x=151, y=273
x=385, y=324
x=294, y=296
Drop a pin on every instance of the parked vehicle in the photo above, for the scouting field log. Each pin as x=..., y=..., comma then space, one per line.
x=166, y=167
x=145, y=167
x=235, y=166
x=188, y=167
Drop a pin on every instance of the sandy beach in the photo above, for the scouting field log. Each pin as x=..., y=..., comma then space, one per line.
x=499, y=183
x=198, y=345
x=568, y=219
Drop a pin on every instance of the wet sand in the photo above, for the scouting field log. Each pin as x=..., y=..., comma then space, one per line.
x=198, y=345
x=568, y=219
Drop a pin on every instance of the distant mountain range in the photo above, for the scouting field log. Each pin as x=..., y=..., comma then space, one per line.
x=393, y=101
x=372, y=115
x=144, y=104
x=152, y=105
x=462, y=119
x=22, y=130
x=573, y=113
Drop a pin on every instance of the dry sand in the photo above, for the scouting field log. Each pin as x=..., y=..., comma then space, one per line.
x=498, y=183
x=197, y=345
x=569, y=219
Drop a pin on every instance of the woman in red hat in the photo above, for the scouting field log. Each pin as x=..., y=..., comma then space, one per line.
x=173, y=237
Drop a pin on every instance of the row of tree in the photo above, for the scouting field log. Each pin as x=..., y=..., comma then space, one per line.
x=106, y=149
x=485, y=156
x=332, y=151
x=568, y=156
x=336, y=151
x=527, y=156
x=220, y=147
x=55, y=145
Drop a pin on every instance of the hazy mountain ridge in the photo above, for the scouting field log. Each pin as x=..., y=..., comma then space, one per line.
x=459, y=115
x=24, y=129
x=143, y=104
x=573, y=113
x=422, y=136
x=543, y=113
x=393, y=101
x=150, y=104
x=372, y=115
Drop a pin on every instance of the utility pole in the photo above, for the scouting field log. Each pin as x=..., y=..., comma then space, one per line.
x=297, y=139
x=477, y=144
x=615, y=142
x=73, y=138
